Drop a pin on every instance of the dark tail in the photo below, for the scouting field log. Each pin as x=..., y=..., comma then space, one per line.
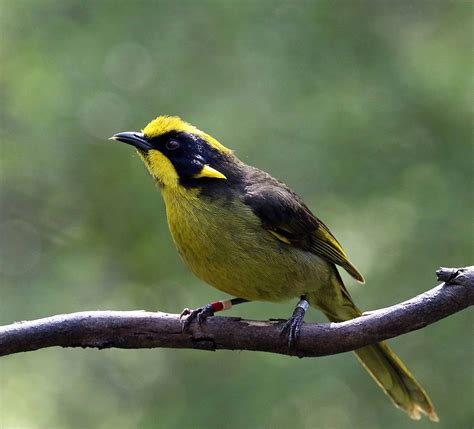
x=386, y=368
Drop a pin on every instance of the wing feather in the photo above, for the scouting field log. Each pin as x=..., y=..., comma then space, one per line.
x=289, y=220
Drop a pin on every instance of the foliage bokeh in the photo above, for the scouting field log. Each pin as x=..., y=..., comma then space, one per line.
x=362, y=107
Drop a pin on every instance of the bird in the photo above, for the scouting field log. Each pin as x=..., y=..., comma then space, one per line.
x=250, y=236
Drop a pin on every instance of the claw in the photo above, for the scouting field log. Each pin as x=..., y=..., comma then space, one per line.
x=200, y=314
x=293, y=327
x=186, y=311
x=294, y=323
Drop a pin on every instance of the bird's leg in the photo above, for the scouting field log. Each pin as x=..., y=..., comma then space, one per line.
x=202, y=313
x=294, y=323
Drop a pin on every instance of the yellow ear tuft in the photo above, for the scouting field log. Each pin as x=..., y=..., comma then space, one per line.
x=208, y=171
x=165, y=124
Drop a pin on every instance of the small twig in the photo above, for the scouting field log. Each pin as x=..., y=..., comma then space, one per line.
x=140, y=329
x=455, y=276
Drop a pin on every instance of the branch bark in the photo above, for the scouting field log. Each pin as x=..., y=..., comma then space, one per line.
x=140, y=329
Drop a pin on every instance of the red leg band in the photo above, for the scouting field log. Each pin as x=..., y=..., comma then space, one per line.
x=217, y=306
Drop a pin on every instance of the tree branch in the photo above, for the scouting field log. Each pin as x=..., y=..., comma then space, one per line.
x=140, y=329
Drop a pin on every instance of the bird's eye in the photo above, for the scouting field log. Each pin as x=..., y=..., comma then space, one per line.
x=172, y=145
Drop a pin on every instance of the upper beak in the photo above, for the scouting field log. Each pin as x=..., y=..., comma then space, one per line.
x=133, y=138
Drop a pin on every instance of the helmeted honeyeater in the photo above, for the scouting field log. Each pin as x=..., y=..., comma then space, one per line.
x=247, y=234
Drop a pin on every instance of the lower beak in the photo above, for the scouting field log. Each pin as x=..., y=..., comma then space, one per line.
x=137, y=140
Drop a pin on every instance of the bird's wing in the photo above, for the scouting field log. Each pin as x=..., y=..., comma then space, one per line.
x=289, y=220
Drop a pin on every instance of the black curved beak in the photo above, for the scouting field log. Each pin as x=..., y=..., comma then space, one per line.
x=133, y=138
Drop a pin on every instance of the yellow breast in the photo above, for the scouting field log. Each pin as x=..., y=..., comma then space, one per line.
x=225, y=245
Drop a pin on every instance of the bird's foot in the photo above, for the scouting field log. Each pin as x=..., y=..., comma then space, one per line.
x=187, y=316
x=292, y=327
x=202, y=313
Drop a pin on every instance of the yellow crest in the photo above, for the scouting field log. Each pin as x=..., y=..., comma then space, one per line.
x=165, y=124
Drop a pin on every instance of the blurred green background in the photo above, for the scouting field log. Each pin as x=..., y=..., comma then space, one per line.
x=362, y=107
